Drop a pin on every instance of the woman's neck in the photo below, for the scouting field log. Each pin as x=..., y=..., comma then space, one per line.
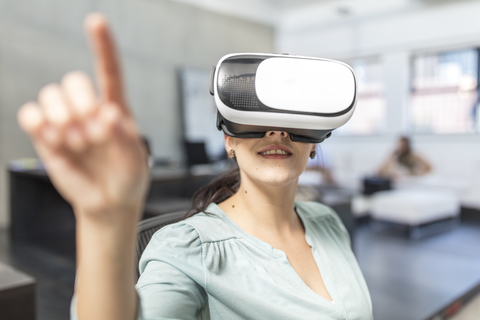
x=263, y=209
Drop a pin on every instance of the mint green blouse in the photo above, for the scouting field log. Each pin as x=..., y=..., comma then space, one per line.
x=207, y=267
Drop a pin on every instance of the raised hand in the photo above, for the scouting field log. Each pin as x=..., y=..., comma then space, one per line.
x=90, y=147
x=89, y=143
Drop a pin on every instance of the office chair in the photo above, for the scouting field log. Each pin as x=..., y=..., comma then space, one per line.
x=148, y=227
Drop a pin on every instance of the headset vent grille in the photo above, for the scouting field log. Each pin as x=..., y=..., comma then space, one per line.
x=241, y=90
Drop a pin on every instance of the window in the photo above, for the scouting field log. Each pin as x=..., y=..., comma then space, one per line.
x=444, y=97
x=369, y=116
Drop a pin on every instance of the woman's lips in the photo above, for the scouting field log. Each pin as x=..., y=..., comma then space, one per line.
x=275, y=152
x=275, y=156
x=276, y=147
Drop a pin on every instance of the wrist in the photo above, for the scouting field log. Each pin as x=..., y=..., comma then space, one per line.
x=118, y=216
x=105, y=257
x=111, y=246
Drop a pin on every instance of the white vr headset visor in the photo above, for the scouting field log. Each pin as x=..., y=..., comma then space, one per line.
x=306, y=97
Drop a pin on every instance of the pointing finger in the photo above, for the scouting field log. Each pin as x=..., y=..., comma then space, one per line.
x=106, y=61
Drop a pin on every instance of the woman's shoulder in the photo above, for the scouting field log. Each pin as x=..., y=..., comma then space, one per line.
x=207, y=226
x=183, y=241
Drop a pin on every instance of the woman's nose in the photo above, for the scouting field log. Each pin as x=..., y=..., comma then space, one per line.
x=274, y=134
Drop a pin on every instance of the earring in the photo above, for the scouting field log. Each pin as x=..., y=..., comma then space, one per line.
x=313, y=154
x=231, y=154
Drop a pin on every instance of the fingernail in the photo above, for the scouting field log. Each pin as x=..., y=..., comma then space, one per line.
x=95, y=19
x=30, y=117
x=51, y=135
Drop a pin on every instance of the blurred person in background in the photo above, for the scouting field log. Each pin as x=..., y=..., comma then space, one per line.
x=404, y=162
x=247, y=250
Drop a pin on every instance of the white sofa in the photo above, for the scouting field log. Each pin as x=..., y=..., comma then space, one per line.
x=414, y=207
x=465, y=187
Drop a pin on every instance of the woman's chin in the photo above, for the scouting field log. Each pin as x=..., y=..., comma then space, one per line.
x=275, y=177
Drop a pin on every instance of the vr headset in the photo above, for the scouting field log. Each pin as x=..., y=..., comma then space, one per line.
x=304, y=96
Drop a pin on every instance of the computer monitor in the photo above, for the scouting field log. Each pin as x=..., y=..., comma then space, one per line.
x=196, y=153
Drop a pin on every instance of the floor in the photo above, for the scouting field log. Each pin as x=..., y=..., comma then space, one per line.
x=408, y=279
x=54, y=273
x=413, y=279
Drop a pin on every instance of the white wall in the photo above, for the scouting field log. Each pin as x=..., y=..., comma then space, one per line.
x=40, y=40
x=392, y=34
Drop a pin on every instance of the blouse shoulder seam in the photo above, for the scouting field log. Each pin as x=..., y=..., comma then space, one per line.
x=221, y=240
x=199, y=236
x=202, y=241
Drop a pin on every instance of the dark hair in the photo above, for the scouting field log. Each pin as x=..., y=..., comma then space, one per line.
x=220, y=189
x=404, y=157
x=146, y=142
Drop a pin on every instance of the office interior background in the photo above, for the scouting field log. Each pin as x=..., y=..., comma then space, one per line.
x=417, y=67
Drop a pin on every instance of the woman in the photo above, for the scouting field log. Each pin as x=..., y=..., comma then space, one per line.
x=254, y=254
x=404, y=162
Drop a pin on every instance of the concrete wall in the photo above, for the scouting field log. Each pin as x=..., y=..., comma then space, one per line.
x=393, y=36
x=40, y=40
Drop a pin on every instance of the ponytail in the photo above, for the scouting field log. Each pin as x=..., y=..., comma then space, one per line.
x=219, y=190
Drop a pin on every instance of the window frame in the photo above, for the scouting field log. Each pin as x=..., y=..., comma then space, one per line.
x=476, y=117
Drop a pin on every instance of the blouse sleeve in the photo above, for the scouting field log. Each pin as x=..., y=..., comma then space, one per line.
x=171, y=275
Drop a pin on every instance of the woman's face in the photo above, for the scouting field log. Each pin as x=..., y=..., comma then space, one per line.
x=403, y=145
x=273, y=159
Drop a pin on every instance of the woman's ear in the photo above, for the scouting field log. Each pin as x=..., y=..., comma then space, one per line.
x=229, y=143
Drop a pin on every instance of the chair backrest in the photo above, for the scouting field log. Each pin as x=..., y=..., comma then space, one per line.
x=148, y=227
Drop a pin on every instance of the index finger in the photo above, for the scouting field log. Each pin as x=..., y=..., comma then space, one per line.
x=106, y=61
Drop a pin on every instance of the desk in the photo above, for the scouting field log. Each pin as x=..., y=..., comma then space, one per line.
x=40, y=215
x=17, y=294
